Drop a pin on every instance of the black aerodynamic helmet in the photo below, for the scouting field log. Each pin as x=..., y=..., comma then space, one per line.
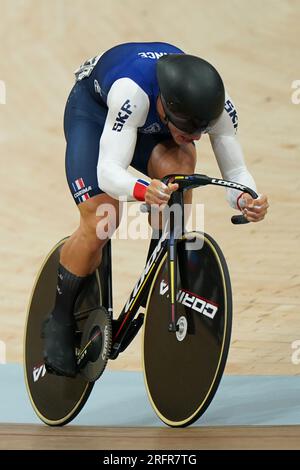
x=192, y=91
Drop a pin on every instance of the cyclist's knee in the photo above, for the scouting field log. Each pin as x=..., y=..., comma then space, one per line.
x=168, y=157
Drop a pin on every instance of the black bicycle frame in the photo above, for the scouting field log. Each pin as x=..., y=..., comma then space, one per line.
x=167, y=243
x=141, y=288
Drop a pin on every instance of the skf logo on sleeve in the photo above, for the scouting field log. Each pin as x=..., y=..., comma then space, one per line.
x=229, y=107
x=122, y=117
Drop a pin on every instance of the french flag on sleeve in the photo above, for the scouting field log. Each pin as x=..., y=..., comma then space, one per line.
x=79, y=183
x=140, y=189
x=84, y=197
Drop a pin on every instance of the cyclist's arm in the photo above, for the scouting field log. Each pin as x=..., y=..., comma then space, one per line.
x=128, y=106
x=228, y=152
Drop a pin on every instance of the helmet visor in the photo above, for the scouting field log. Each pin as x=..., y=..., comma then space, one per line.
x=184, y=123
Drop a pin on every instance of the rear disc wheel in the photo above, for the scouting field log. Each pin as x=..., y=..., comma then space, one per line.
x=55, y=399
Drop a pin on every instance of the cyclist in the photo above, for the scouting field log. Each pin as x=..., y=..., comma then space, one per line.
x=144, y=105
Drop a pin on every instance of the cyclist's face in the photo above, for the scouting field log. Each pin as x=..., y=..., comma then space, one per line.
x=181, y=137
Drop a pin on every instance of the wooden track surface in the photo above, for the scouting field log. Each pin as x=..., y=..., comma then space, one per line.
x=255, y=45
x=77, y=437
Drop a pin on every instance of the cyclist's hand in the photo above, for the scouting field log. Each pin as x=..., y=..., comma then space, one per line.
x=254, y=209
x=159, y=193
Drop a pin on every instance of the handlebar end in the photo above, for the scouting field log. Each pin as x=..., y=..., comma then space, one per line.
x=239, y=220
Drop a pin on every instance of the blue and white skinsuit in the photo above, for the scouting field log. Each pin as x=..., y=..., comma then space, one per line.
x=111, y=122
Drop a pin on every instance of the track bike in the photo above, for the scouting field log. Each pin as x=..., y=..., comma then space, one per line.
x=186, y=322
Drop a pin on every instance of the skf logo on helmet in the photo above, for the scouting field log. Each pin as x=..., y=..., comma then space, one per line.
x=229, y=107
x=122, y=117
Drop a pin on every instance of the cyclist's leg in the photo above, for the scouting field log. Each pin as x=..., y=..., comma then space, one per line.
x=81, y=254
x=99, y=218
x=157, y=155
x=167, y=157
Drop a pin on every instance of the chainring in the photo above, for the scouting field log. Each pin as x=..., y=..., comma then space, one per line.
x=95, y=344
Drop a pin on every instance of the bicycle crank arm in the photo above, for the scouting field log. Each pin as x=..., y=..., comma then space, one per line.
x=84, y=355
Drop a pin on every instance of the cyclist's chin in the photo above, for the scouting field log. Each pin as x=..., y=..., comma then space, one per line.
x=181, y=139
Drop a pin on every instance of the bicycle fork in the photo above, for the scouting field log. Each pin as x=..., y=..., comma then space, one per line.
x=176, y=230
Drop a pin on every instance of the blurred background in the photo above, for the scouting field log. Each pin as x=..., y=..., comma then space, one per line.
x=255, y=47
